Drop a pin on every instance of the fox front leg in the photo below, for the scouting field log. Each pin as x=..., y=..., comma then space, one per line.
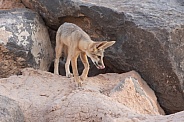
x=75, y=72
x=84, y=60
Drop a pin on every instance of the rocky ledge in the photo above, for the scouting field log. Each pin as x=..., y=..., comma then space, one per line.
x=43, y=96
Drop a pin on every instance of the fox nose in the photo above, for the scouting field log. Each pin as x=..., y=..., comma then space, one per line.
x=101, y=67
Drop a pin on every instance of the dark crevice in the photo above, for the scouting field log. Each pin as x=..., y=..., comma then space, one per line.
x=93, y=71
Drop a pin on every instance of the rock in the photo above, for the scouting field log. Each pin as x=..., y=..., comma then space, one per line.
x=10, y=110
x=51, y=10
x=24, y=42
x=133, y=92
x=10, y=4
x=148, y=34
x=177, y=117
x=43, y=96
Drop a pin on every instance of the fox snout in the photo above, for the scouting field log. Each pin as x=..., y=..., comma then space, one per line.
x=99, y=65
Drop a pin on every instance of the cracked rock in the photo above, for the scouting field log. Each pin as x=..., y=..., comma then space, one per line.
x=24, y=42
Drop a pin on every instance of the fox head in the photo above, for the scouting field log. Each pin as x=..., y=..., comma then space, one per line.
x=96, y=52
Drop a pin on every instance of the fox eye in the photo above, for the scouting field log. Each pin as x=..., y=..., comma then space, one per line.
x=99, y=56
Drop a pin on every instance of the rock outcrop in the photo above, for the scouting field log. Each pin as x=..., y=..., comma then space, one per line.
x=149, y=38
x=10, y=110
x=134, y=93
x=24, y=42
x=43, y=96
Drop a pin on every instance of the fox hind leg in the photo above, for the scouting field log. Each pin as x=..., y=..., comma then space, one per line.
x=58, y=51
x=67, y=64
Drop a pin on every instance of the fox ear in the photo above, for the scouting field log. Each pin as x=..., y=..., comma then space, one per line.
x=105, y=44
x=97, y=45
x=101, y=45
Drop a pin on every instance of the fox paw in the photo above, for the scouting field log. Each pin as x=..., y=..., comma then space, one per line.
x=83, y=77
x=69, y=75
x=79, y=84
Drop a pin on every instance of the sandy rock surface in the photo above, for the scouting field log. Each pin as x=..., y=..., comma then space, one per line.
x=46, y=97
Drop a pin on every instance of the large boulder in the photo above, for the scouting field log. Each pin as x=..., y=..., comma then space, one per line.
x=10, y=110
x=43, y=96
x=149, y=38
x=24, y=42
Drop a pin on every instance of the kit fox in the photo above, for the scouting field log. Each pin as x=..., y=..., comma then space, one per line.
x=77, y=42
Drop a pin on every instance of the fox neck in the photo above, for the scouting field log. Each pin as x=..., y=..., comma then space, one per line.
x=84, y=45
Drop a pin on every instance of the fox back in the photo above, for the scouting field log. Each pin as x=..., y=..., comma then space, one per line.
x=70, y=32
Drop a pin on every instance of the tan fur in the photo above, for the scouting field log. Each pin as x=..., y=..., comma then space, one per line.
x=75, y=42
